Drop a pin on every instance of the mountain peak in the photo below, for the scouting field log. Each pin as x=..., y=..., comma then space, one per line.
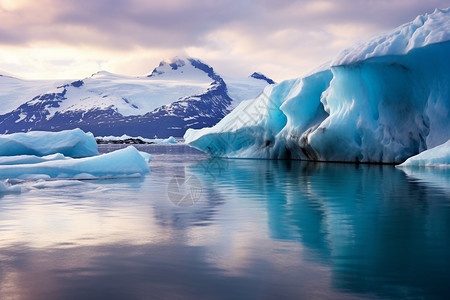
x=103, y=73
x=261, y=76
x=182, y=66
x=168, y=65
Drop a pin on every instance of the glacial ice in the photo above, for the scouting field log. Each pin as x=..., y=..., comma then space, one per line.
x=438, y=156
x=382, y=101
x=72, y=143
x=29, y=159
x=147, y=156
x=127, y=162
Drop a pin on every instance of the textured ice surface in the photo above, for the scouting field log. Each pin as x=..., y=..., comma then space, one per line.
x=121, y=163
x=371, y=105
x=29, y=159
x=423, y=31
x=438, y=156
x=72, y=143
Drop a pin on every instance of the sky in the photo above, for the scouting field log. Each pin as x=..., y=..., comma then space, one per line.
x=71, y=39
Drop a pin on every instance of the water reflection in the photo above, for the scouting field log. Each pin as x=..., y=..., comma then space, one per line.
x=262, y=229
x=379, y=231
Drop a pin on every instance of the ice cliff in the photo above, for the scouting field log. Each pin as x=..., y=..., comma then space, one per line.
x=383, y=100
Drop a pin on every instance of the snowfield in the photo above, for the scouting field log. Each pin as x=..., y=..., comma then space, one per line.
x=381, y=101
x=134, y=95
x=14, y=90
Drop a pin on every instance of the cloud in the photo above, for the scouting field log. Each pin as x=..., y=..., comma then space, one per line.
x=281, y=38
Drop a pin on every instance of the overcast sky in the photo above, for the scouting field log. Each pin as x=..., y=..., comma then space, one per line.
x=281, y=38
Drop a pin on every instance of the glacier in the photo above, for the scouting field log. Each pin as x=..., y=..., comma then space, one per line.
x=381, y=101
x=73, y=143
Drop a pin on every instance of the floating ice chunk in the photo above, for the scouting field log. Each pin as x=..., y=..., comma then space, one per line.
x=169, y=140
x=120, y=163
x=73, y=143
x=438, y=156
x=29, y=159
x=43, y=184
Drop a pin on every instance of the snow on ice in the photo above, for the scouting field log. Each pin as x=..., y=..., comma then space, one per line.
x=438, y=156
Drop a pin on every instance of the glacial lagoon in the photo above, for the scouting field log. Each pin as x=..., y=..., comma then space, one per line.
x=198, y=227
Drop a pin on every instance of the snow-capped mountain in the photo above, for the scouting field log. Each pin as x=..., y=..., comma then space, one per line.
x=15, y=91
x=179, y=94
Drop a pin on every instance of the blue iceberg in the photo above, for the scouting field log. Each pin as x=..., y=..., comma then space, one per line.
x=29, y=159
x=127, y=162
x=70, y=154
x=72, y=143
x=381, y=101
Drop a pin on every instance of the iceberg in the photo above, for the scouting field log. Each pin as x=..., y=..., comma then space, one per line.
x=29, y=159
x=73, y=143
x=127, y=162
x=381, y=101
x=438, y=156
x=147, y=156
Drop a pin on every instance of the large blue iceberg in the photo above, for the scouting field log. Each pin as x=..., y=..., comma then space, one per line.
x=384, y=100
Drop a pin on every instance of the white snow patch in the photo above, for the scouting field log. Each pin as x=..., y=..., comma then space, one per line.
x=438, y=156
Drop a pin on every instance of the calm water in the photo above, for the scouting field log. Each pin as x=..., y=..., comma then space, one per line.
x=256, y=230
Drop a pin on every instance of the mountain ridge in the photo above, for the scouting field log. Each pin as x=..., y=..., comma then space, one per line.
x=179, y=94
